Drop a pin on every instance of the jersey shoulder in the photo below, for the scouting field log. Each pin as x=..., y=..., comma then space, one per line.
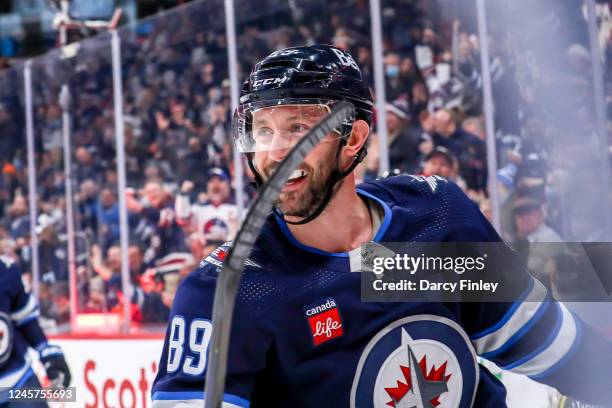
x=397, y=188
x=10, y=274
x=195, y=293
x=435, y=206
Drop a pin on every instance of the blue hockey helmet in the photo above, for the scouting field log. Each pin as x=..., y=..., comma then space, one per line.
x=317, y=75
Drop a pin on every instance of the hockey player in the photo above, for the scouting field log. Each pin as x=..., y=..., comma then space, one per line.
x=19, y=330
x=301, y=337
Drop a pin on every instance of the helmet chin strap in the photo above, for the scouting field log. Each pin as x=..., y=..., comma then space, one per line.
x=334, y=178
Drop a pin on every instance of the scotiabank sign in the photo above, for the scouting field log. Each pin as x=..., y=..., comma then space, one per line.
x=112, y=372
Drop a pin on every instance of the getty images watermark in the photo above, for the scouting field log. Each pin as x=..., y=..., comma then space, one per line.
x=482, y=272
x=423, y=264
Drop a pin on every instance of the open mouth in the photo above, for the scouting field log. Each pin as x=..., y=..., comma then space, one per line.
x=296, y=177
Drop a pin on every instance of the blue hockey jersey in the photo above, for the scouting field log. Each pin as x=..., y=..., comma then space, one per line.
x=19, y=328
x=301, y=336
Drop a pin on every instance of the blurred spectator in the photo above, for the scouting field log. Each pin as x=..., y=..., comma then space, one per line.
x=52, y=130
x=136, y=261
x=475, y=126
x=194, y=166
x=153, y=303
x=406, y=140
x=58, y=306
x=531, y=227
x=87, y=202
x=218, y=204
x=530, y=221
x=51, y=251
x=10, y=139
x=109, y=266
x=160, y=232
x=136, y=156
x=419, y=95
x=174, y=131
x=19, y=218
x=108, y=269
x=153, y=173
x=399, y=75
x=469, y=150
x=440, y=162
x=87, y=167
x=108, y=217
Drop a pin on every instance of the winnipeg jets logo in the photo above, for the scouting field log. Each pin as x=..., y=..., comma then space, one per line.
x=421, y=361
x=418, y=388
x=6, y=341
x=432, y=181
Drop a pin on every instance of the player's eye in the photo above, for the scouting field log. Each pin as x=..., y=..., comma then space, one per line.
x=263, y=135
x=299, y=128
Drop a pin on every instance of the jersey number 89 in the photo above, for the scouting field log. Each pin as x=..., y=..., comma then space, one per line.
x=199, y=333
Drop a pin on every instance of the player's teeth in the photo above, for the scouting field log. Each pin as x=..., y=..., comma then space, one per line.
x=297, y=174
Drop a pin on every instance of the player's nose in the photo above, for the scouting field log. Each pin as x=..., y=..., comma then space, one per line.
x=280, y=146
x=278, y=154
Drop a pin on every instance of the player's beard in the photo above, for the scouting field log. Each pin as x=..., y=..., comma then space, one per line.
x=305, y=201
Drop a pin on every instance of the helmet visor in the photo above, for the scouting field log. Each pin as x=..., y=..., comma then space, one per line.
x=278, y=124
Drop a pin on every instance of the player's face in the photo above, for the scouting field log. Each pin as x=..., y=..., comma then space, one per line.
x=279, y=128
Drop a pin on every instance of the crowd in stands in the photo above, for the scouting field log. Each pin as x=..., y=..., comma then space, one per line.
x=180, y=173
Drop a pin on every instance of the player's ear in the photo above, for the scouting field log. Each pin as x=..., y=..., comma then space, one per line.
x=357, y=138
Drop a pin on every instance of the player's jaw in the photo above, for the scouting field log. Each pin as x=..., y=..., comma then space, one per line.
x=306, y=187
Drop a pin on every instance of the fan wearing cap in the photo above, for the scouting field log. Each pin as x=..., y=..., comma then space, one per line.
x=440, y=162
x=404, y=140
x=467, y=148
x=219, y=204
x=530, y=222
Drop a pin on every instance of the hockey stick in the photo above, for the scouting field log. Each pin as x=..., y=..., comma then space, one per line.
x=229, y=277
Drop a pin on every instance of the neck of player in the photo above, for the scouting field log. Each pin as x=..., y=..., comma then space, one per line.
x=344, y=224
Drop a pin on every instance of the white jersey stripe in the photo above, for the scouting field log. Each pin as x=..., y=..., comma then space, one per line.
x=24, y=311
x=10, y=379
x=193, y=399
x=195, y=403
x=552, y=354
x=521, y=316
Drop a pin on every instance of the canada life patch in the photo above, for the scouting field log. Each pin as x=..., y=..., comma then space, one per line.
x=324, y=321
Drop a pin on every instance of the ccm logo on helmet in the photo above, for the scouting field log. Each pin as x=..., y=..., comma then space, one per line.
x=269, y=81
x=345, y=58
